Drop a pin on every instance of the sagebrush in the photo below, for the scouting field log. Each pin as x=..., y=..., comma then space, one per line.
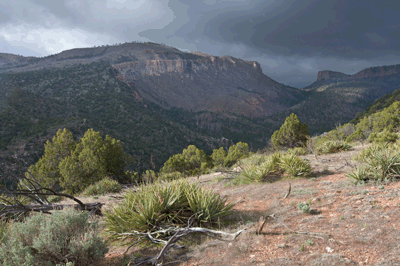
x=60, y=238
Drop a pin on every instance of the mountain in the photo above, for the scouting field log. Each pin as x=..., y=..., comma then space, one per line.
x=335, y=98
x=378, y=105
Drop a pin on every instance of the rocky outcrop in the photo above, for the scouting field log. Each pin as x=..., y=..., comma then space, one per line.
x=328, y=75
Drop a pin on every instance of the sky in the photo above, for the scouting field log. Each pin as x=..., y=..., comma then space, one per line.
x=291, y=39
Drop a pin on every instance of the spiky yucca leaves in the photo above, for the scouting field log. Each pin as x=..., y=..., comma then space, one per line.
x=161, y=205
x=360, y=174
x=294, y=166
x=259, y=168
x=379, y=162
x=333, y=146
x=206, y=205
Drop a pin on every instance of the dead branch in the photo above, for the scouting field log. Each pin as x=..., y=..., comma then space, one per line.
x=263, y=220
x=177, y=234
x=32, y=197
x=289, y=190
x=6, y=210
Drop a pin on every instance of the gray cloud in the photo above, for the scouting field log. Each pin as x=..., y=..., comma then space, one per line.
x=292, y=39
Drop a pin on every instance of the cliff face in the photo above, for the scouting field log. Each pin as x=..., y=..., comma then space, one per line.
x=200, y=82
x=327, y=75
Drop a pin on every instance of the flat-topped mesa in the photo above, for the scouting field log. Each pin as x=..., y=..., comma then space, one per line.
x=328, y=75
x=156, y=64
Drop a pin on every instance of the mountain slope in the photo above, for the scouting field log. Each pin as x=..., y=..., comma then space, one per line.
x=335, y=98
x=82, y=97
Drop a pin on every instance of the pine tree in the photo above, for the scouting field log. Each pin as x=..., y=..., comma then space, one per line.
x=74, y=165
x=236, y=152
x=46, y=170
x=291, y=134
x=218, y=156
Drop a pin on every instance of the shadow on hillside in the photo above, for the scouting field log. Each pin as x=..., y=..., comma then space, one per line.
x=321, y=173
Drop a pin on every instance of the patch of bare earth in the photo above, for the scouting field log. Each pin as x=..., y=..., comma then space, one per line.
x=347, y=225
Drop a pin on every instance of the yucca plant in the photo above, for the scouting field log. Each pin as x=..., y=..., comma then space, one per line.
x=379, y=162
x=332, y=146
x=206, y=205
x=295, y=166
x=160, y=205
x=261, y=168
x=384, y=163
x=360, y=174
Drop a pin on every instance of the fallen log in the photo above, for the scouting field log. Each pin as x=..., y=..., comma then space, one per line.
x=93, y=208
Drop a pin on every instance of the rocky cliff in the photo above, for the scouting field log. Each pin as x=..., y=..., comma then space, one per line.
x=329, y=75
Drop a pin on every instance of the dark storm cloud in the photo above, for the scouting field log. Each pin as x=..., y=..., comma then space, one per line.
x=340, y=28
x=292, y=39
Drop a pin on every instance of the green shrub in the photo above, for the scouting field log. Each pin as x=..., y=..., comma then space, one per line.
x=59, y=238
x=54, y=199
x=170, y=176
x=291, y=134
x=160, y=205
x=379, y=162
x=236, y=152
x=304, y=207
x=328, y=147
x=3, y=229
x=149, y=176
x=294, y=166
x=218, y=157
x=192, y=161
x=72, y=166
x=383, y=137
x=104, y=186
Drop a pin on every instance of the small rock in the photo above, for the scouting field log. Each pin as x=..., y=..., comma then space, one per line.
x=252, y=256
x=282, y=245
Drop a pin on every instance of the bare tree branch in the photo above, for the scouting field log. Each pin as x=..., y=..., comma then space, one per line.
x=178, y=233
x=13, y=202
